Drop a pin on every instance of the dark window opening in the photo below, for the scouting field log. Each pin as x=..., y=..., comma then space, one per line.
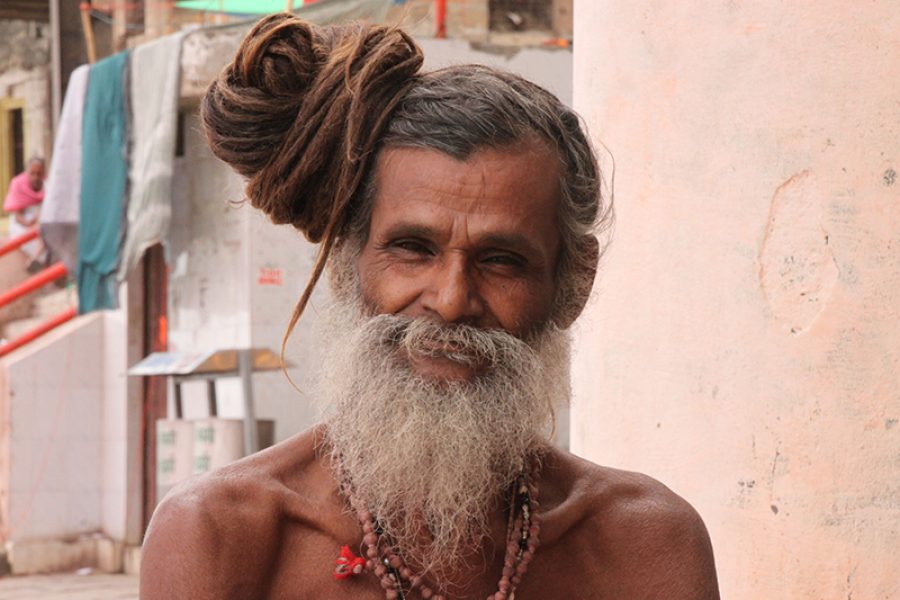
x=521, y=15
x=17, y=139
x=179, y=135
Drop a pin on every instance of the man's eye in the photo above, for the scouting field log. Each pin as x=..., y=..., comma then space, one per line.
x=412, y=246
x=506, y=260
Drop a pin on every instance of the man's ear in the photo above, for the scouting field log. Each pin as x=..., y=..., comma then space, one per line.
x=582, y=271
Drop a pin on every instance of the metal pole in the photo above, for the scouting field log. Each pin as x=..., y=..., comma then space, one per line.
x=179, y=408
x=88, y=29
x=55, y=65
x=211, y=398
x=245, y=370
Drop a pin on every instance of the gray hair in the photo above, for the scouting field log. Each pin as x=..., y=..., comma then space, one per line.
x=462, y=109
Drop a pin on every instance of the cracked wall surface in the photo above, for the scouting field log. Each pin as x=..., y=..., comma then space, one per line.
x=743, y=341
x=797, y=272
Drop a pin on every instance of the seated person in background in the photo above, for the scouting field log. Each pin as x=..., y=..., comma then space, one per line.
x=456, y=211
x=23, y=203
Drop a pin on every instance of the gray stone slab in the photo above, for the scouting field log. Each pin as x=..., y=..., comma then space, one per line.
x=70, y=587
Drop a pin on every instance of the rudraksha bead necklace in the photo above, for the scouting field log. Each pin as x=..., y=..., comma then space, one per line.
x=523, y=536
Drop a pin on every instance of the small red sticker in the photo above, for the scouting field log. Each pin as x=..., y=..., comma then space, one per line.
x=270, y=276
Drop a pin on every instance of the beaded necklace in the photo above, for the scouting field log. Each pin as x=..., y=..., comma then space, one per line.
x=398, y=580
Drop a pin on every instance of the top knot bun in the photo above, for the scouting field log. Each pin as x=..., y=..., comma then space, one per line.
x=299, y=112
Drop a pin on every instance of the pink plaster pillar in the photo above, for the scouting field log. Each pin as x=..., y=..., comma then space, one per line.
x=743, y=342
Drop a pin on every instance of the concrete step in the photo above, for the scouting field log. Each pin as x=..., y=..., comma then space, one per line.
x=13, y=272
x=16, y=328
x=87, y=551
x=45, y=304
x=54, y=301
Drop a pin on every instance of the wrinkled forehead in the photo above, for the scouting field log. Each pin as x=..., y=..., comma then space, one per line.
x=414, y=166
x=521, y=168
x=507, y=180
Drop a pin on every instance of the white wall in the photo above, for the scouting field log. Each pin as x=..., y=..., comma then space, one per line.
x=55, y=435
x=744, y=342
x=70, y=481
x=209, y=288
x=234, y=279
x=209, y=291
x=281, y=253
x=548, y=67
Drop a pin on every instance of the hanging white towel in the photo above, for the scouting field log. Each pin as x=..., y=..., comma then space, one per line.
x=154, y=88
x=59, y=212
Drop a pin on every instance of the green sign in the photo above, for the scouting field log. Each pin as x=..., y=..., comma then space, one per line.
x=238, y=7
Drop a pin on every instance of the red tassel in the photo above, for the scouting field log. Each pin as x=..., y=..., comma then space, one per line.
x=348, y=564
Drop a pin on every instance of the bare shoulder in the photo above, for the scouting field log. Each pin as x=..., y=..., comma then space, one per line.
x=654, y=543
x=205, y=527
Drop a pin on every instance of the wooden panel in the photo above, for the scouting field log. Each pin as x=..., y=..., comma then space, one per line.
x=28, y=10
x=156, y=284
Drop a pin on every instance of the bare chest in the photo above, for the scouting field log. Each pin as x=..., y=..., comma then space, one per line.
x=307, y=573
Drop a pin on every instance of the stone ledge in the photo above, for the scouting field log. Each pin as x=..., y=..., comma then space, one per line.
x=56, y=556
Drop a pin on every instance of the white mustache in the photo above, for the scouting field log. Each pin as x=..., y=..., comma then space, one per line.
x=461, y=343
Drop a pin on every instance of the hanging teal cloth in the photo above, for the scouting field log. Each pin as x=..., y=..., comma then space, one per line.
x=104, y=175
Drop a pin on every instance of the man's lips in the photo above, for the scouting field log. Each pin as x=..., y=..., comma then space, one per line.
x=442, y=365
x=465, y=348
x=430, y=348
x=447, y=353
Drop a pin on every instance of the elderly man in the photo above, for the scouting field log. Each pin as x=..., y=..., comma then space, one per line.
x=23, y=202
x=456, y=212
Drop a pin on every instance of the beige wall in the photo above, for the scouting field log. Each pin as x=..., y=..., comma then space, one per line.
x=24, y=83
x=743, y=344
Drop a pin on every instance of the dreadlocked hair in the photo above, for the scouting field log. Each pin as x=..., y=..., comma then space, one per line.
x=299, y=112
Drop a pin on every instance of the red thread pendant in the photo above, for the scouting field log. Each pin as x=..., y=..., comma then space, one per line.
x=348, y=564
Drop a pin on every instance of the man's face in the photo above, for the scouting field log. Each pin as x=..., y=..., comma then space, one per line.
x=473, y=242
x=36, y=175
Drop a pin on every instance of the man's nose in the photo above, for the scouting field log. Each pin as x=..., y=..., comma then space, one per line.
x=453, y=293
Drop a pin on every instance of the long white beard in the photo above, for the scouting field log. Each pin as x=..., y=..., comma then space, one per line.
x=431, y=459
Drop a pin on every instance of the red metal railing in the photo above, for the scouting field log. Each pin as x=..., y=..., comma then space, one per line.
x=36, y=332
x=34, y=282
x=18, y=241
x=51, y=273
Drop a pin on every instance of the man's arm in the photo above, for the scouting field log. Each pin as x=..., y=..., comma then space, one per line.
x=210, y=540
x=22, y=220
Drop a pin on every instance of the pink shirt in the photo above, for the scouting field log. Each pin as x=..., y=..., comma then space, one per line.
x=21, y=195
